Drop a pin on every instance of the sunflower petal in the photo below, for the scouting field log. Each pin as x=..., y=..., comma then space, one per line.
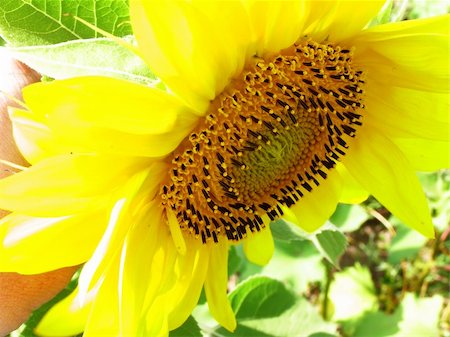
x=316, y=207
x=412, y=54
x=276, y=24
x=64, y=185
x=411, y=113
x=106, y=103
x=352, y=191
x=193, y=269
x=104, y=316
x=34, y=139
x=136, y=192
x=196, y=63
x=141, y=283
x=336, y=20
x=424, y=154
x=39, y=138
x=259, y=247
x=23, y=238
x=380, y=167
x=216, y=287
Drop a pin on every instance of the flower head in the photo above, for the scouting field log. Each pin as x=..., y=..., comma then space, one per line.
x=272, y=109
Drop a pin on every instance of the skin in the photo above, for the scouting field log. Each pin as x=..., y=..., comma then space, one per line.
x=20, y=294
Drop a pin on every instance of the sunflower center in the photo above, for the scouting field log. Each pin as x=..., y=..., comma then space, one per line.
x=266, y=141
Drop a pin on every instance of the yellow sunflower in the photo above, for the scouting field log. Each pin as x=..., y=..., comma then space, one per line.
x=272, y=109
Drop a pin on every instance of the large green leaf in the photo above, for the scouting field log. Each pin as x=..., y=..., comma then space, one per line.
x=264, y=307
x=301, y=320
x=40, y=22
x=85, y=57
x=414, y=317
x=188, y=329
x=259, y=297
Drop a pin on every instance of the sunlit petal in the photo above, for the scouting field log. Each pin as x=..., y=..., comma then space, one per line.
x=379, y=166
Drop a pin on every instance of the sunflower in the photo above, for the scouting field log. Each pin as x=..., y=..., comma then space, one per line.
x=271, y=109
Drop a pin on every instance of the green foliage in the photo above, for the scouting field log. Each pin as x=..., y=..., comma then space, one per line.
x=349, y=218
x=424, y=9
x=414, y=317
x=265, y=307
x=41, y=22
x=85, y=57
x=260, y=297
x=188, y=329
x=352, y=293
x=405, y=244
x=331, y=243
x=328, y=240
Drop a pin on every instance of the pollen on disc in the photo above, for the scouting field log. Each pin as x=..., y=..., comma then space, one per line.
x=267, y=140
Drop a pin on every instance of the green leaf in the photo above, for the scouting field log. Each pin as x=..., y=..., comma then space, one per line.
x=85, y=57
x=405, y=244
x=284, y=231
x=259, y=297
x=188, y=329
x=295, y=263
x=349, y=218
x=328, y=240
x=352, y=292
x=235, y=261
x=331, y=243
x=40, y=22
x=414, y=317
x=300, y=320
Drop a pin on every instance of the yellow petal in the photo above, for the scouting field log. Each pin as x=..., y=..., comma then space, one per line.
x=276, y=24
x=336, y=20
x=175, y=230
x=190, y=45
x=216, y=286
x=407, y=113
x=380, y=167
x=65, y=184
x=73, y=112
x=138, y=191
x=192, y=273
x=259, y=247
x=35, y=245
x=79, y=135
x=66, y=318
x=103, y=319
x=316, y=207
x=143, y=308
x=412, y=54
x=146, y=241
x=424, y=154
x=34, y=138
x=106, y=103
x=39, y=138
x=352, y=191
